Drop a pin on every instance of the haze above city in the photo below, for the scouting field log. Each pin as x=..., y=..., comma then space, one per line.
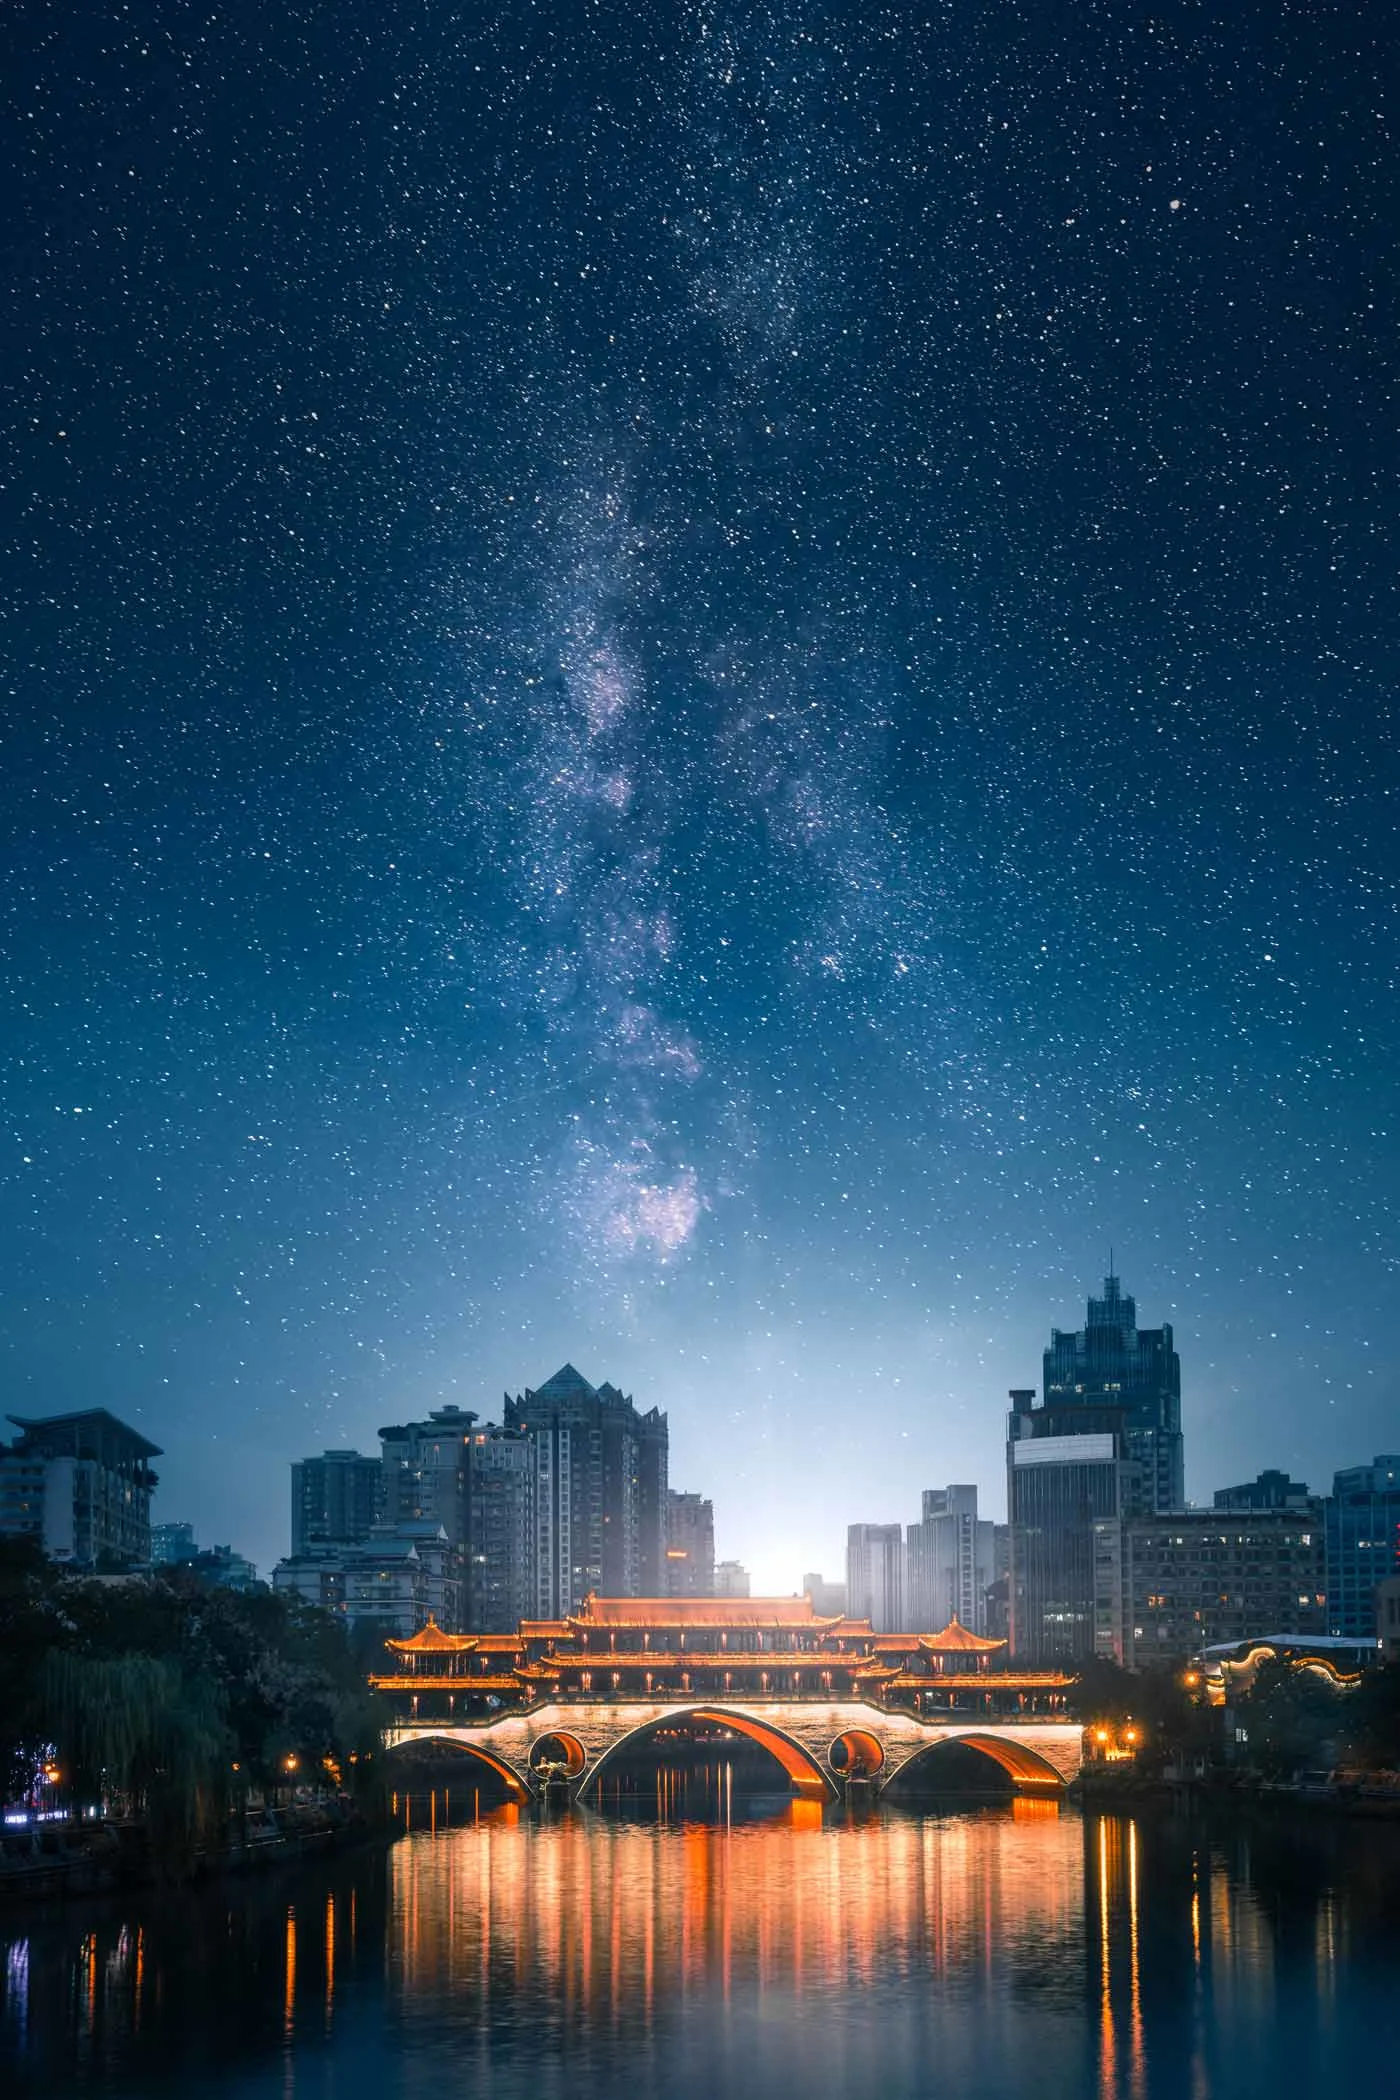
x=707, y=691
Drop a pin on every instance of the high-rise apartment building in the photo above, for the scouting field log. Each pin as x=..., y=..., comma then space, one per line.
x=1112, y=1362
x=690, y=1545
x=81, y=1485
x=1070, y=1483
x=501, y=1560
x=335, y=1499
x=426, y=1477
x=600, y=1489
x=732, y=1579
x=875, y=1558
x=1363, y=1543
x=951, y=1562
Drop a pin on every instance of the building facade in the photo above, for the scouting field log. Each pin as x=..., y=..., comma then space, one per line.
x=1070, y=1483
x=335, y=1499
x=501, y=1556
x=1205, y=1578
x=600, y=1485
x=690, y=1545
x=1363, y=1543
x=392, y=1582
x=951, y=1561
x=875, y=1573
x=172, y=1543
x=1112, y=1362
x=81, y=1485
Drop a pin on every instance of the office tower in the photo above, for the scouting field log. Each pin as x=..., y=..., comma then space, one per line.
x=1112, y=1362
x=732, y=1579
x=335, y=1499
x=690, y=1545
x=1198, y=1578
x=951, y=1562
x=1363, y=1543
x=875, y=1575
x=81, y=1485
x=1269, y=1490
x=600, y=1492
x=1069, y=1485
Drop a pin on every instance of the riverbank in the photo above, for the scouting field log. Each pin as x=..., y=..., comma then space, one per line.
x=61, y=1860
x=1116, y=1787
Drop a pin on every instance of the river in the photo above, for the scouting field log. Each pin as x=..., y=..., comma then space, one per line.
x=1021, y=1949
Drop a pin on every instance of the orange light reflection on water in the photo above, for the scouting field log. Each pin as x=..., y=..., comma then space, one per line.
x=608, y=1920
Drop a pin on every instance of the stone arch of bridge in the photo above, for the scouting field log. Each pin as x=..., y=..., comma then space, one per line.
x=455, y=1747
x=804, y=1773
x=1023, y=1766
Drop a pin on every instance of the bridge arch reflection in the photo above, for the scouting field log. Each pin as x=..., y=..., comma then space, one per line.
x=424, y=1758
x=804, y=1774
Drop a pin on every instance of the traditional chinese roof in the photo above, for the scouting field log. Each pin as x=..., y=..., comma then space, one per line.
x=956, y=1640
x=431, y=1640
x=460, y=1687
x=732, y=1614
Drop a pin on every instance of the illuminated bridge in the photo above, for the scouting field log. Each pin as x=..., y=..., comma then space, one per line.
x=559, y=1703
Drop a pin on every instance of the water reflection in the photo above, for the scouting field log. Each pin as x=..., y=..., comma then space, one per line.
x=984, y=1953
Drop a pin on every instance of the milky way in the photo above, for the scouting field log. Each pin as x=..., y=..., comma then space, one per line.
x=707, y=689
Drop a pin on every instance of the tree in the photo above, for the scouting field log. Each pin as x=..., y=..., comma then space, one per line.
x=1292, y=1719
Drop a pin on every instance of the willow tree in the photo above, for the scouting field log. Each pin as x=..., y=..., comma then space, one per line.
x=137, y=1726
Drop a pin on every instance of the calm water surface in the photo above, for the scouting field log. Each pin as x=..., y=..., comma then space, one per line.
x=980, y=1953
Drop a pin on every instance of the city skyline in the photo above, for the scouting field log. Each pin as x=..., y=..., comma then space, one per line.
x=708, y=691
x=764, y=1563
x=264, y=1535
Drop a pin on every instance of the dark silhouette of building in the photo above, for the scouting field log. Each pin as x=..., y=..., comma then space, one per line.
x=690, y=1545
x=335, y=1499
x=600, y=1492
x=1112, y=1362
x=1270, y=1490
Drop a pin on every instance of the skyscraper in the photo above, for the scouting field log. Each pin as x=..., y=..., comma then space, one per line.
x=501, y=1556
x=1112, y=1362
x=950, y=1562
x=875, y=1575
x=600, y=1489
x=690, y=1545
x=1069, y=1485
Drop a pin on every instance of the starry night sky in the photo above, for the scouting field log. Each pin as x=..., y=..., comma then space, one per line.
x=706, y=688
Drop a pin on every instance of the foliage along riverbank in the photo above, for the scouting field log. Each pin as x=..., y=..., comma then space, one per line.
x=179, y=1710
